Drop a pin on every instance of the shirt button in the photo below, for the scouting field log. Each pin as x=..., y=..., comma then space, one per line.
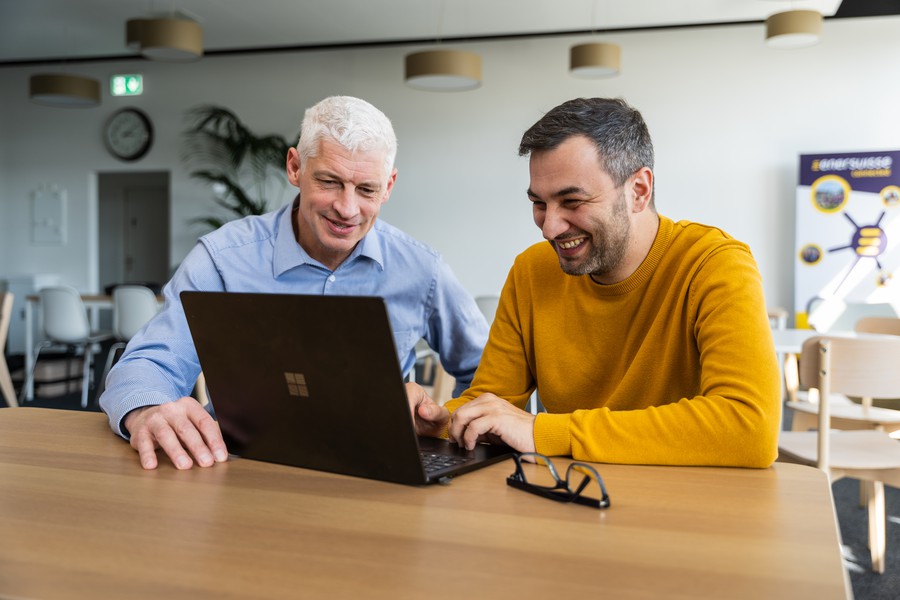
x=332, y=278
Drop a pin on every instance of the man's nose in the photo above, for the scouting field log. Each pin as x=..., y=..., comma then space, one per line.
x=347, y=205
x=553, y=223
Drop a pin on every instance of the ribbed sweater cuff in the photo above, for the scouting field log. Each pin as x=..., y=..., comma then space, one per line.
x=551, y=434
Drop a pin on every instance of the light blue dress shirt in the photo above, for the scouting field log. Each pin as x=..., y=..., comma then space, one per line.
x=260, y=254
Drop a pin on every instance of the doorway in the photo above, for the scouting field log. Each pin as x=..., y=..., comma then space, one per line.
x=133, y=227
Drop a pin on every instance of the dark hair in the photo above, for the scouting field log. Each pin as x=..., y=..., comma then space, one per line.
x=617, y=130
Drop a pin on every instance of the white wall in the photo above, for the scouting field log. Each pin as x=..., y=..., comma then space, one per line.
x=729, y=117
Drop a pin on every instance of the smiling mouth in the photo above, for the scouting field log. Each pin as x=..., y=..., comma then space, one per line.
x=569, y=244
x=340, y=227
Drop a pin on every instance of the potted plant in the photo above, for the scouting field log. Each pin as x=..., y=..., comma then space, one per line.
x=238, y=163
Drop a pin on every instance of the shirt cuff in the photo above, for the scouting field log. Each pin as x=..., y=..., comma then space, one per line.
x=551, y=434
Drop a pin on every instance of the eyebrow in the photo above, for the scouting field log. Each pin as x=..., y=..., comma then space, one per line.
x=324, y=173
x=567, y=191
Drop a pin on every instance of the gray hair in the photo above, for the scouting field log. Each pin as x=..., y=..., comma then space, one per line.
x=353, y=123
x=617, y=130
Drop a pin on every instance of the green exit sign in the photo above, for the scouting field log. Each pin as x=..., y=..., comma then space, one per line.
x=126, y=85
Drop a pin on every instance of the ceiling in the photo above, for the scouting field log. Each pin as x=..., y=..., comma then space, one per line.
x=42, y=31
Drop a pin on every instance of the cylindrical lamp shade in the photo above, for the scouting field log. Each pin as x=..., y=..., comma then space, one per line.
x=794, y=29
x=595, y=60
x=64, y=90
x=173, y=40
x=133, y=34
x=443, y=70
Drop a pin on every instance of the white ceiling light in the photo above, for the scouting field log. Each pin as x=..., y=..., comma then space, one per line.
x=72, y=91
x=443, y=70
x=166, y=39
x=595, y=60
x=794, y=29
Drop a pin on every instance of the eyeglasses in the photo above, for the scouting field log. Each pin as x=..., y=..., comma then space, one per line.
x=549, y=484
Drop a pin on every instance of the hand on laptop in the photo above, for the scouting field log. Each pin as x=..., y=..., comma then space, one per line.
x=430, y=418
x=178, y=428
x=489, y=418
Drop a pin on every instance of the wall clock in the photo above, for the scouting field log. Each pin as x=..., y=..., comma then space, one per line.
x=128, y=134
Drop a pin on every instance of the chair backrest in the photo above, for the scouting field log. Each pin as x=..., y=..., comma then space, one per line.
x=64, y=316
x=865, y=367
x=885, y=325
x=7, y=390
x=488, y=306
x=6, y=302
x=133, y=306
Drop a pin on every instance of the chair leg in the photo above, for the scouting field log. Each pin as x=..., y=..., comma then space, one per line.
x=877, y=534
x=28, y=383
x=86, y=381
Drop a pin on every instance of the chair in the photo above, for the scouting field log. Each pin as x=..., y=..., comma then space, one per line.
x=65, y=323
x=433, y=373
x=133, y=306
x=6, y=384
x=864, y=367
x=778, y=317
x=846, y=414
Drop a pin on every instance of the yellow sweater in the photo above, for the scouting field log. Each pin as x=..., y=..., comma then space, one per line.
x=673, y=366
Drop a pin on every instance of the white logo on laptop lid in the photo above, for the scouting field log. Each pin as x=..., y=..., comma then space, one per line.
x=296, y=383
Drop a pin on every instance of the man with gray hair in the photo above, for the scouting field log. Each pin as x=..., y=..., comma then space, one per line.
x=646, y=338
x=328, y=241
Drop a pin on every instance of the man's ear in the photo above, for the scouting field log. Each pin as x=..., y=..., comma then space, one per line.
x=390, y=186
x=293, y=167
x=641, y=184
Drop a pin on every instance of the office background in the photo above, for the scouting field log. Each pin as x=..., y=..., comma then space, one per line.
x=729, y=117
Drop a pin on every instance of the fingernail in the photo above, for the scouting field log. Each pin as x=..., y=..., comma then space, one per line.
x=183, y=463
x=205, y=459
x=221, y=455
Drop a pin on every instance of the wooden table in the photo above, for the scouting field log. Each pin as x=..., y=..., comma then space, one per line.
x=80, y=519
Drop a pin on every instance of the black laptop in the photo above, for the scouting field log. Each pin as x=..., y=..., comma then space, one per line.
x=314, y=382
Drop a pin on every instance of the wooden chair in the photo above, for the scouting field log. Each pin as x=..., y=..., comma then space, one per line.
x=6, y=385
x=865, y=367
x=846, y=414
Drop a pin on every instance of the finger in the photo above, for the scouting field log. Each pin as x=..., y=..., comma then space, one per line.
x=191, y=439
x=212, y=435
x=476, y=430
x=171, y=445
x=143, y=443
x=462, y=419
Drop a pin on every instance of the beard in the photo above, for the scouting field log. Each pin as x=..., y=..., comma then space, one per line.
x=609, y=241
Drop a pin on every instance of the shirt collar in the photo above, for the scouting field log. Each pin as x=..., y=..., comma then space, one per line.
x=289, y=254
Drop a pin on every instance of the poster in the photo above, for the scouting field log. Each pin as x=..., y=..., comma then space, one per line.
x=847, y=236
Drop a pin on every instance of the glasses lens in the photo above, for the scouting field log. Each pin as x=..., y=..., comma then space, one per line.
x=582, y=480
x=538, y=471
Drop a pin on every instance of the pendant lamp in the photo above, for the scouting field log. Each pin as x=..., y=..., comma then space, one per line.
x=794, y=29
x=595, y=60
x=73, y=91
x=443, y=70
x=165, y=39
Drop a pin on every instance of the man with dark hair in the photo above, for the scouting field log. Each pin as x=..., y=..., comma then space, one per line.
x=649, y=343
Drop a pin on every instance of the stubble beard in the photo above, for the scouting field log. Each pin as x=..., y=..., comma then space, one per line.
x=609, y=241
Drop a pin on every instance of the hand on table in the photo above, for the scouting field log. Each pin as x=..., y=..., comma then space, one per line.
x=182, y=429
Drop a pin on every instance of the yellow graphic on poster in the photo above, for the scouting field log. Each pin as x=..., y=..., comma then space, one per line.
x=848, y=237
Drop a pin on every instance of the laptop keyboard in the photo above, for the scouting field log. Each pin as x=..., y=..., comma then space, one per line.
x=438, y=462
